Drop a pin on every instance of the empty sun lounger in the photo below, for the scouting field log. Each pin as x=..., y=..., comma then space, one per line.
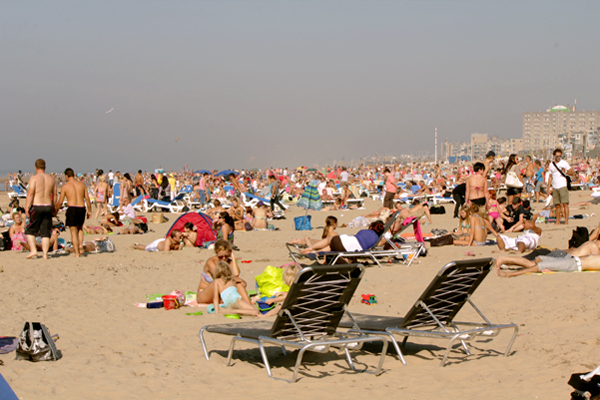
x=433, y=314
x=308, y=319
x=17, y=192
x=175, y=206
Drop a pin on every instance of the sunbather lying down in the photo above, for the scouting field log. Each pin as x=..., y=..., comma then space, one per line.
x=566, y=263
x=363, y=240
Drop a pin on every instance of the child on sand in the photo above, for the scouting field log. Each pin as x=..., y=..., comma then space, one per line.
x=226, y=289
x=289, y=273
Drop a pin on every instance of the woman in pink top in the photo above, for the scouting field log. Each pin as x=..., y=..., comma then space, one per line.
x=390, y=189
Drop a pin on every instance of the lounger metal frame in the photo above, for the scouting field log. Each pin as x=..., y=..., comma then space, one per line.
x=433, y=313
x=308, y=319
x=411, y=249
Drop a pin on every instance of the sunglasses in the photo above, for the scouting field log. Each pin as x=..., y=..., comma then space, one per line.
x=224, y=257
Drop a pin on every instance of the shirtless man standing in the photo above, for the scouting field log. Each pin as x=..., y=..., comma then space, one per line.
x=138, y=182
x=77, y=199
x=39, y=208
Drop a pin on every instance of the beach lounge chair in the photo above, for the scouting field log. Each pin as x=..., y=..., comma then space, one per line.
x=251, y=200
x=17, y=192
x=308, y=319
x=433, y=314
x=399, y=251
x=115, y=199
x=175, y=206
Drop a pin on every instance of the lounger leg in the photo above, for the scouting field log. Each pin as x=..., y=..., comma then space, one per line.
x=448, y=349
x=349, y=360
x=396, y=346
x=230, y=352
x=299, y=362
x=512, y=340
x=201, y=334
x=383, y=353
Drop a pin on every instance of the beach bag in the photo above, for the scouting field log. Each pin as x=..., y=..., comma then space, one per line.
x=270, y=281
x=142, y=226
x=302, y=223
x=437, y=210
x=36, y=344
x=158, y=218
x=5, y=242
x=582, y=386
x=105, y=246
x=579, y=237
x=444, y=240
x=513, y=180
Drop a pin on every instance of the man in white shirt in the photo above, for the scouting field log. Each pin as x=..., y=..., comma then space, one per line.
x=558, y=181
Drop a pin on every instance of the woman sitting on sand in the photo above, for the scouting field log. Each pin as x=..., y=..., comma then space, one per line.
x=111, y=220
x=190, y=234
x=225, y=227
x=217, y=209
x=261, y=213
x=206, y=288
x=328, y=232
x=480, y=226
x=237, y=211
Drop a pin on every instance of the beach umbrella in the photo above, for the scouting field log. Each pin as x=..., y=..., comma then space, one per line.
x=227, y=172
x=202, y=171
x=310, y=199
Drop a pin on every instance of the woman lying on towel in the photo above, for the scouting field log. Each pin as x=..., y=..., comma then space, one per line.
x=206, y=288
x=363, y=240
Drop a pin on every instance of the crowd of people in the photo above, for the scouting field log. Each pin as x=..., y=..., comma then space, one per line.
x=481, y=207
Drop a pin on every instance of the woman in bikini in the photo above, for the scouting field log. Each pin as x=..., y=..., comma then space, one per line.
x=477, y=187
x=17, y=233
x=494, y=211
x=261, y=213
x=206, y=288
x=479, y=228
x=101, y=196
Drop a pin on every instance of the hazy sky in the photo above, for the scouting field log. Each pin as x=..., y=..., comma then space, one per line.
x=244, y=84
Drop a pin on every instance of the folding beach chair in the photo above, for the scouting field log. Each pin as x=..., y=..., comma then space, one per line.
x=251, y=200
x=175, y=206
x=17, y=192
x=433, y=313
x=308, y=319
x=115, y=199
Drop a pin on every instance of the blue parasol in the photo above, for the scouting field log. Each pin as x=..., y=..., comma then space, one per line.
x=227, y=172
x=202, y=171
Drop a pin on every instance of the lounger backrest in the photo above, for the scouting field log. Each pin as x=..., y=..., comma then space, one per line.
x=447, y=293
x=316, y=301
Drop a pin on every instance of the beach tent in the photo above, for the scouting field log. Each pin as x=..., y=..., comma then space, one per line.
x=203, y=225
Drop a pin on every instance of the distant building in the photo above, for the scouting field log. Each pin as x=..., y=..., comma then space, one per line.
x=561, y=126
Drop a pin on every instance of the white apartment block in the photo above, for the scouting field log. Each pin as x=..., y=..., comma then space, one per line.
x=560, y=126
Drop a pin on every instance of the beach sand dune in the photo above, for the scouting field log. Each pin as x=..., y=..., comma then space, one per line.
x=111, y=349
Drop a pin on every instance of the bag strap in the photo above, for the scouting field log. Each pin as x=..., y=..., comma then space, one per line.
x=559, y=170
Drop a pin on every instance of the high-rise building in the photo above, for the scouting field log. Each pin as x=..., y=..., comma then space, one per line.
x=559, y=126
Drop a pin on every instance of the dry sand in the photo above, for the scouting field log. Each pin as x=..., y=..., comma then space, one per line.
x=114, y=350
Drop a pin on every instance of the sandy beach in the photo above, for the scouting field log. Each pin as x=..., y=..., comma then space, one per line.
x=114, y=350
